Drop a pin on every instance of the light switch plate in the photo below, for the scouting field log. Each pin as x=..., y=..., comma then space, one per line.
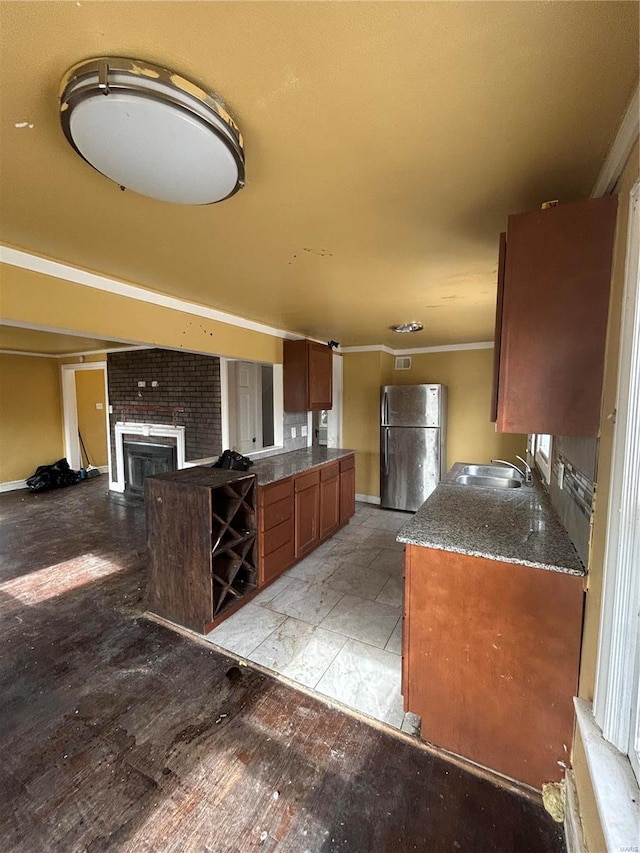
x=99, y=406
x=142, y=384
x=155, y=384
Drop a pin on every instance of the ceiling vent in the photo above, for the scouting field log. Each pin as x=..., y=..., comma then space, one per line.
x=402, y=362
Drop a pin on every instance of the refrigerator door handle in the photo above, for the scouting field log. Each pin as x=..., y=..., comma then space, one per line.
x=384, y=409
x=386, y=450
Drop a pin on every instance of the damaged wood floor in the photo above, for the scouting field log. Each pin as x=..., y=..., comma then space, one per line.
x=117, y=734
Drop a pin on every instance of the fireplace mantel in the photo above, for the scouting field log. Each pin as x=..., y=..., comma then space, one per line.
x=123, y=428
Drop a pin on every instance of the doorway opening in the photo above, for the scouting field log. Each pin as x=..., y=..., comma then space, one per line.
x=253, y=403
x=86, y=413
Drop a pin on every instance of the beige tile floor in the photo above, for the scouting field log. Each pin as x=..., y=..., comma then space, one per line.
x=333, y=622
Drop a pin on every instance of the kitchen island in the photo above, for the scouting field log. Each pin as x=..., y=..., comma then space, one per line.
x=216, y=537
x=492, y=627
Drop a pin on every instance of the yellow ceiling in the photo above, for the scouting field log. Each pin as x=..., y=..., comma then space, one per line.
x=15, y=339
x=386, y=143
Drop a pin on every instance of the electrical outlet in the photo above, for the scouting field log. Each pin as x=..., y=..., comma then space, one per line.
x=293, y=432
x=155, y=384
x=99, y=406
x=142, y=384
x=303, y=430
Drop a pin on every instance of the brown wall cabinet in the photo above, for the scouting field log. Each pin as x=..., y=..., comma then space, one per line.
x=297, y=514
x=553, y=298
x=201, y=540
x=490, y=660
x=308, y=376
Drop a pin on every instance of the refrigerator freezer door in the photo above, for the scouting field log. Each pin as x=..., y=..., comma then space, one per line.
x=409, y=466
x=411, y=405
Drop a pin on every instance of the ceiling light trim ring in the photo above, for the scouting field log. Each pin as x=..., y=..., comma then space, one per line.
x=98, y=77
x=85, y=94
x=404, y=328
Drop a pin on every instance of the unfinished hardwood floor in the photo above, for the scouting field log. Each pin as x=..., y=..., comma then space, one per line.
x=117, y=734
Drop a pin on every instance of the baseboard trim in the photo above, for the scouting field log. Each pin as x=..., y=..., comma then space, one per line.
x=368, y=499
x=13, y=485
x=572, y=823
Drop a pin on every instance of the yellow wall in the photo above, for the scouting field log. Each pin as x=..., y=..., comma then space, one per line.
x=91, y=421
x=471, y=436
x=588, y=813
x=37, y=299
x=30, y=415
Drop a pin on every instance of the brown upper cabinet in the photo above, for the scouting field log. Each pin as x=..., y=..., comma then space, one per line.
x=308, y=376
x=551, y=319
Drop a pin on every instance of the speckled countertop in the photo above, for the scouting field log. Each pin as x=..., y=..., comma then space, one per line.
x=285, y=465
x=510, y=525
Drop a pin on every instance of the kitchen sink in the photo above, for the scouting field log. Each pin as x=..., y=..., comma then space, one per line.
x=490, y=471
x=488, y=481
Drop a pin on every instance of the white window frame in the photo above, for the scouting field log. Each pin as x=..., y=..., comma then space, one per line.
x=611, y=735
x=541, y=448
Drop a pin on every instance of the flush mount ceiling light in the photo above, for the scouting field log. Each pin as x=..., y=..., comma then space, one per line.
x=151, y=130
x=408, y=327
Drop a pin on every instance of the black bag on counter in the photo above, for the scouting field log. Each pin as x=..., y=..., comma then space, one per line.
x=53, y=476
x=233, y=461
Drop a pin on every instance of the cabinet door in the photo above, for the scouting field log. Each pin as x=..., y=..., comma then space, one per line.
x=329, y=505
x=307, y=513
x=320, y=376
x=347, y=494
x=554, y=318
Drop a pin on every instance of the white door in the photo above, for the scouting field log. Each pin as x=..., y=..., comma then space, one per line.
x=248, y=410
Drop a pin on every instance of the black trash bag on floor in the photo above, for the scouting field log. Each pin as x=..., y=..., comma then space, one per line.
x=234, y=461
x=53, y=476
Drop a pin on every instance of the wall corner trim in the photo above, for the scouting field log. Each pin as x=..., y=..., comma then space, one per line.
x=615, y=787
x=618, y=155
x=572, y=824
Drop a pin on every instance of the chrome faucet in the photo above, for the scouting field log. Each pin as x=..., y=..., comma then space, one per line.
x=525, y=474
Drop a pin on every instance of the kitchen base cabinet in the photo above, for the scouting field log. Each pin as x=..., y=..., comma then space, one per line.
x=201, y=541
x=307, y=513
x=329, y=500
x=298, y=513
x=275, y=521
x=347, y=489
x=490, y=660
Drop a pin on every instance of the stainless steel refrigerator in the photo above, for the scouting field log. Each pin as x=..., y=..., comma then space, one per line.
x=412, y=443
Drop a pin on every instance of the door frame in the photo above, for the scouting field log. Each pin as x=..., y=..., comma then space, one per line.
x=70, y=411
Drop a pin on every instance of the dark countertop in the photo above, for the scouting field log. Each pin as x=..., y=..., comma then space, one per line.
x=284, y=465
x=511, y=525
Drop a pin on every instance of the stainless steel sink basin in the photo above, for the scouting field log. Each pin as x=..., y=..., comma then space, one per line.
x=490, y=471
x=491, y=482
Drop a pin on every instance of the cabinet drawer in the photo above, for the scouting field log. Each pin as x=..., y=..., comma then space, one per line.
x=349, y=462
x=277, y=537
x=304, y=481
x=276, y=513
x=277, y=562
x=275, y=492
x=328, y=472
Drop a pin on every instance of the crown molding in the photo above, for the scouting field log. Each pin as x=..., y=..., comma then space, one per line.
x=420, y=350
x=56, y=269
x=621, y=148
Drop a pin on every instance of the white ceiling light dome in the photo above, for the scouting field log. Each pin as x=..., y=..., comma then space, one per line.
x=151, y=131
